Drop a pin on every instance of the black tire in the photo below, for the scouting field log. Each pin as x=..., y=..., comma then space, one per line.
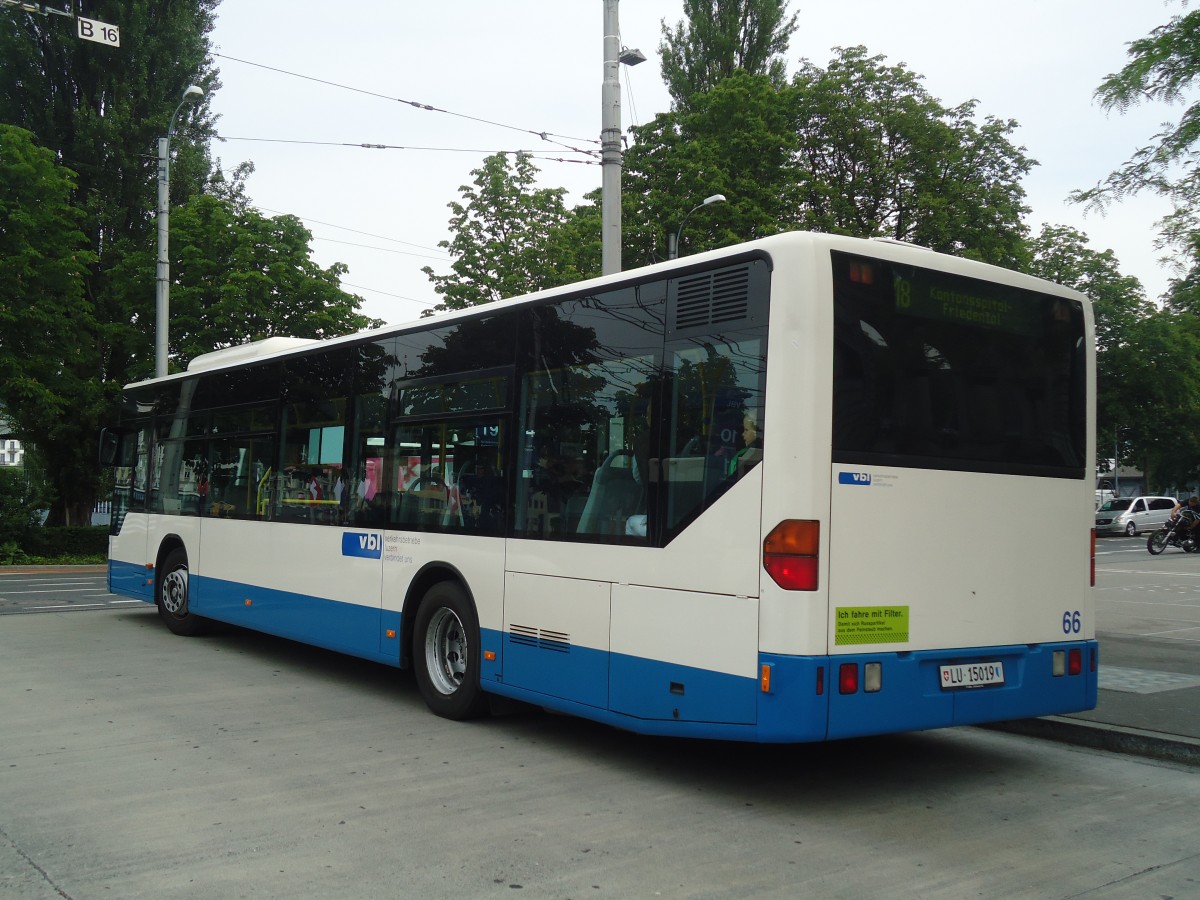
x=446, y=653
x=1157, y=542
x=171, y=596
x=1131, y=529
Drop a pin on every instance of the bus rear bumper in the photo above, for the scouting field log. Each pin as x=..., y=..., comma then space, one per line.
x=931, y=689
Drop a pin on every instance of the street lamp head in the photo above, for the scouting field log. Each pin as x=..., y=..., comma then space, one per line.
x=631, y=56
x=673, y=240
x=193, y=91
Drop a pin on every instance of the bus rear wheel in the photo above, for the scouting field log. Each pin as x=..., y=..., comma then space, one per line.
x=171, y=596
x=446, y=653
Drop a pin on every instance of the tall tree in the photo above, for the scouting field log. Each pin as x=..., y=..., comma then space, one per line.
x=858, y=148
x=719, y=37
x=881, y=157
x=510, y=236
x=101, y=110
x=46, y=385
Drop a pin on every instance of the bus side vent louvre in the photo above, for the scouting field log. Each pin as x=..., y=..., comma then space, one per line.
x=713, y=298
x=521, y=634
x=544, y=639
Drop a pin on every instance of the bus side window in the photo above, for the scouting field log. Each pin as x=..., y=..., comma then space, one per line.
x=715, y=424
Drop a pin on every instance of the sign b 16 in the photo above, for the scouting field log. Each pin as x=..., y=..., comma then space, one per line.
x=100, y=32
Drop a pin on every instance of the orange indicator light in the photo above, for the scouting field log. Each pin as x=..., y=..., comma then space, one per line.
x=391, y=632
x=249, y=602
x=489, y=655
x=765, y=679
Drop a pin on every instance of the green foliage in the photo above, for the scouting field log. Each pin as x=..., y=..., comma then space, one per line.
x=508, y=236
x=1154, y=392
x=63, y=544
x=737, y=140
x=720, y=37
x=21, y=498
x=1163, y=67
x=48, y=385
x=243, y=276
x=1061, y=254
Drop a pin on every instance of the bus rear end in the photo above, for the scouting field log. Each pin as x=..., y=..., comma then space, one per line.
x=955, y=558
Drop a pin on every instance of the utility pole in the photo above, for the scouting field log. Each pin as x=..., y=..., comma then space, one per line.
x=611, y=157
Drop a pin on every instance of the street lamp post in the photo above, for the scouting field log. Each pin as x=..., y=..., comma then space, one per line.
x=673, y=239
x=162, y=288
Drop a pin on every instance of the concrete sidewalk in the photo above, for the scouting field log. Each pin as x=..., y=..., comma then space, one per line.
x=1149, y=703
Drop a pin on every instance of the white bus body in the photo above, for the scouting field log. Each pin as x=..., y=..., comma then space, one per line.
x=858, y=573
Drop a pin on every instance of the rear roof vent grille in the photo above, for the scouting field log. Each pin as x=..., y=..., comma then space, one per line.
x=712, y=298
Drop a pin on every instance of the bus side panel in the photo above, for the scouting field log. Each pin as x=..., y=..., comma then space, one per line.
x=127, y=572
x=556, y=636
x=335, y=625
x=661, y=671
x=316, y=584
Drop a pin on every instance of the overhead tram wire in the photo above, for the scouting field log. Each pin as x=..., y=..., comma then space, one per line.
x=416, y=104
x=532, y=154
x=382, y=237
x=361, y=287
x=381, y=249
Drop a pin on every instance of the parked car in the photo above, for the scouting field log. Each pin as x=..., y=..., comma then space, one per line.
x=1129, y=515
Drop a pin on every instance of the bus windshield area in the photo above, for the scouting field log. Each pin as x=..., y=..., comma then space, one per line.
x=938, y=371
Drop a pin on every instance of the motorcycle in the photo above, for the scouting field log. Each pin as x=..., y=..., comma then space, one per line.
x=1176, y=532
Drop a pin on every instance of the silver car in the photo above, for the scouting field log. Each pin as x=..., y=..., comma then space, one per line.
x=1129, y=515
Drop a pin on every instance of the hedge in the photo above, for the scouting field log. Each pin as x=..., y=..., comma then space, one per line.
x=67, y=541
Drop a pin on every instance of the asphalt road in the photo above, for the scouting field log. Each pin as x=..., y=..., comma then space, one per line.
x=57, y=589
x=134, y=763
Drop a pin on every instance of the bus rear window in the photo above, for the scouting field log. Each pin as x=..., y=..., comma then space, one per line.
x=938, y=371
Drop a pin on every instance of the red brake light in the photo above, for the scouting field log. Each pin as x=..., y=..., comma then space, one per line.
x=848, y=678
x=790, y=554
x=1074, y=661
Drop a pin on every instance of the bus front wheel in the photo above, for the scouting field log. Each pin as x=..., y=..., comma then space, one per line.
x=171, y=596
x=446, y=653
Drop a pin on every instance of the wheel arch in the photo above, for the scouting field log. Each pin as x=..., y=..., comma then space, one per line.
x=429, y=575
x=168, y=545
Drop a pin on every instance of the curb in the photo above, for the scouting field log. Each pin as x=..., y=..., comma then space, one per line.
x=1113, y=738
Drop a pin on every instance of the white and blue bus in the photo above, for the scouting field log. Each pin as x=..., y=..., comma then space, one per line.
x=770, y=493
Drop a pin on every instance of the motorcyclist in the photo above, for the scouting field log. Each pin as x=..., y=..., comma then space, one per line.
x=1190, y=510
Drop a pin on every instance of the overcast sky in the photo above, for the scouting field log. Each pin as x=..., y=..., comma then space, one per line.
x=532, y=66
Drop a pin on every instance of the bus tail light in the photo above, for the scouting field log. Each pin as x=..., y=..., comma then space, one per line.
x=848, y=678
x=1074, y=661
x=790, y=554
